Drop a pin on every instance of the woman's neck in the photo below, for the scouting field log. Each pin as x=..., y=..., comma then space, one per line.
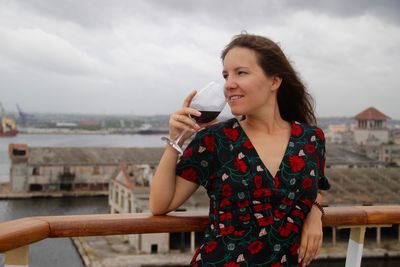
x=268, y=120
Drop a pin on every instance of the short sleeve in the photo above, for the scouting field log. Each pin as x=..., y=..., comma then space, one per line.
x=323, y=182
x=197, y=162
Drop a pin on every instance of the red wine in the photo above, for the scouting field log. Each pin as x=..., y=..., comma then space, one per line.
x=206, y=116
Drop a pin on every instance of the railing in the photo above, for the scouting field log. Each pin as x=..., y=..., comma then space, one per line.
x=16, y=235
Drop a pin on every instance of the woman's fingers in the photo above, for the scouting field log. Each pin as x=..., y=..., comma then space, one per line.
x=319, y=248
x=303, y=248
x=308, y=253
x=183, y=122
x=312, y=249
x=188, y=99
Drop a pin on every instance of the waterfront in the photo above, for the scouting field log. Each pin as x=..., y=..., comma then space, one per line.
x=61, y=252
x=58, y=251
x=56, y=140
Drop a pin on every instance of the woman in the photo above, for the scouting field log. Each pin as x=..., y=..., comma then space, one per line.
x=262, y=173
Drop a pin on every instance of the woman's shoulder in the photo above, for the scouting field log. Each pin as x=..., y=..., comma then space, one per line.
x=301, y=128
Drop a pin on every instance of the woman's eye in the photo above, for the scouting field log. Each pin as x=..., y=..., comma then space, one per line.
x=225, y=76
x=242, y=72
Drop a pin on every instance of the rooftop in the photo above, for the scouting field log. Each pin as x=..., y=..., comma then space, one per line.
x=371, y=113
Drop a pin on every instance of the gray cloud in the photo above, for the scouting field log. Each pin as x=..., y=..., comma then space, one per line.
x=143, y=57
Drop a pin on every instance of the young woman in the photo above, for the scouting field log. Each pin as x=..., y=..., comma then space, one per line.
x=263, y=173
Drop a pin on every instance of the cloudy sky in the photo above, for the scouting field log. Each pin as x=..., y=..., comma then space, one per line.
x=143, y=57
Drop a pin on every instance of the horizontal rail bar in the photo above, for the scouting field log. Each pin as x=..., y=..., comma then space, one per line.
x=21, y=232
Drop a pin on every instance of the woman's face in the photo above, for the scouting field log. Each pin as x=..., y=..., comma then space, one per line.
x=247, y=88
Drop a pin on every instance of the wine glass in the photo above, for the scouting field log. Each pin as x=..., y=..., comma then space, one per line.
x=210, y=101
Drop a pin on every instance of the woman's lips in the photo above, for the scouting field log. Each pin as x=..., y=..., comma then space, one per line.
x=234, y=98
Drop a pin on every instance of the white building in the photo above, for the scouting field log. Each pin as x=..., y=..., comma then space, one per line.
x=371, y=128
x=129, y=193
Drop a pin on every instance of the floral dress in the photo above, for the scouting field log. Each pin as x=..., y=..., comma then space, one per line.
x=255, y=219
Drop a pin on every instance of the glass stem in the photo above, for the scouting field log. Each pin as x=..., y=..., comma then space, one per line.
x=180, y=136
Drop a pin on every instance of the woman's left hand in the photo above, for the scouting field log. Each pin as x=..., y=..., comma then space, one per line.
x=311, y=237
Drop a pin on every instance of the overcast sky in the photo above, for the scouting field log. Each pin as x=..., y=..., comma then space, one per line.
x=143, y=57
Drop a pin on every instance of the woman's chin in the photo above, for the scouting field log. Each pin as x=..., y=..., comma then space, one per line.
x=236, y=112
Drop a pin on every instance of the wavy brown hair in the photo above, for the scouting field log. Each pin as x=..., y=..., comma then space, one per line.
x=294, y=102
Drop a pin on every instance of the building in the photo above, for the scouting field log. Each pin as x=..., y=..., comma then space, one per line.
x=129, y=193
x=371, y=128
x=57, y=169
x=339, y=134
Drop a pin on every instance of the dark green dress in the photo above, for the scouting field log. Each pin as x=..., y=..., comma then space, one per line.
x=255, y=218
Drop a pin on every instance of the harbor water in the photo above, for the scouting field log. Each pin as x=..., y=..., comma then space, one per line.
x=60, y=251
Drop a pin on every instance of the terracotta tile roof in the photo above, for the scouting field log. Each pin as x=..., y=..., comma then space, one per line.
x=371, y=113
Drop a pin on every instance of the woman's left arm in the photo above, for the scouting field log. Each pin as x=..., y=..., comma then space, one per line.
x=311, y=235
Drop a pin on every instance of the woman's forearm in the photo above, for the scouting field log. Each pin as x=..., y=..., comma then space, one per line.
x=163, y=183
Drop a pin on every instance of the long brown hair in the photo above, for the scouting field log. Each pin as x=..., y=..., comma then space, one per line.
x=295, y=103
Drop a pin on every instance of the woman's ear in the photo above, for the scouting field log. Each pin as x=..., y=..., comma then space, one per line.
x=276, y=82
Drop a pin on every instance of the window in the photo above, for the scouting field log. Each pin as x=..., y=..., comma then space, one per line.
x=35, y=171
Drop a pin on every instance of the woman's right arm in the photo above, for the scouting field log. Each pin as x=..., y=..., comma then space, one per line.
x=168, y=191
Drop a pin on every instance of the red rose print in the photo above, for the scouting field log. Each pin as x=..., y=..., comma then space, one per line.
x=307, y=182
x=213, y=211
x=232, y=134
x=264, y=221
x=263, y=192
x=258, y=181
x=209, y=142
x=306, y=202
x=195, y=256
x=227, y=230
x=244, y=218
x=292, y=227
x=296, y=130
x=287, y=201
x=225, y=216
x=296, y=163
x=261, y=207
x=320, y=134
x=190, y=174
x=309, y=148
x=226, y=190
x=243, y=204
x=288, y=228
x=188, y=152
x=276, y=182
x=284, y=232
x=231, y=264
x=210, y=246
x=247, y=144
x=239, y=233
x=240, y=165
x=318, y=160
x=298, y=213
x=255, y=247
x=224, y=203
x=277, y=264
x=294, y=249
x=279, y=214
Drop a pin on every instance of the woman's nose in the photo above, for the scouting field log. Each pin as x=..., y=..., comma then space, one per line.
x=230, y=84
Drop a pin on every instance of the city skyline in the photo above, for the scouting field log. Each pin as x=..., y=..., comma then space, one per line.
x=143, y=57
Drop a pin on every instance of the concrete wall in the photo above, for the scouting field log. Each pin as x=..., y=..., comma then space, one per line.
x=161, y=240
x=18, y=177
x=361, y=136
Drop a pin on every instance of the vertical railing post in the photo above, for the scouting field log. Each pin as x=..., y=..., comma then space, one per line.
x=355, y=246
x=17, y=257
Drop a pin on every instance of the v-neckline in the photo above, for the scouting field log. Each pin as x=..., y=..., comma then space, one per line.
x=258, y=155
